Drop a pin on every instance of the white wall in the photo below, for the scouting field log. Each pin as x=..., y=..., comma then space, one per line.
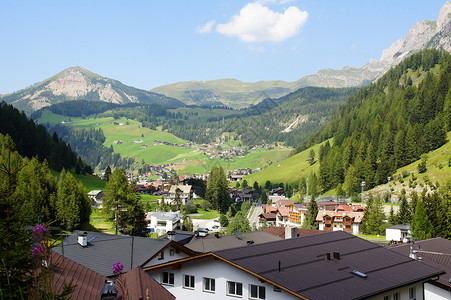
x=222, y=272
x=431, y=292
x=393, y=234
x=404, y=293
x=167, y=257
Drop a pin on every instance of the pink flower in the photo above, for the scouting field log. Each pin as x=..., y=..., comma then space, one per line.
x=38, y=251
x=117, y=268
x=39, y=229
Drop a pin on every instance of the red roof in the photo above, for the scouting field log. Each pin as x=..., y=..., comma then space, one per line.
x=140, y=285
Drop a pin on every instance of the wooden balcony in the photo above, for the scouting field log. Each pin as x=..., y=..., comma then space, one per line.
x=328, y=221
x=347, y=222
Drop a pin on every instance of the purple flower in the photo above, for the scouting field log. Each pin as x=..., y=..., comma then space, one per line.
x=39, y=229
x=38, y=251
x=117, y=268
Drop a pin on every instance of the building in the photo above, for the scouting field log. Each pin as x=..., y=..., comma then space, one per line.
x=331, y=265
x=434, y=252
x=184, y=192
x=282, y=231
x=398, y=233
x=348, y=221
x=96, y=197
x=99, y=251
x=162, y=222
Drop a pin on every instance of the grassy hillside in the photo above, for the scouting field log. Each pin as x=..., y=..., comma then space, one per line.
x=289, y=170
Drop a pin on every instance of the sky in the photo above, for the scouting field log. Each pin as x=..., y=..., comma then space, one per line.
x=146, y=44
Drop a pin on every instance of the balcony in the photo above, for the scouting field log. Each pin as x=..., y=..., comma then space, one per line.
x=328, y=221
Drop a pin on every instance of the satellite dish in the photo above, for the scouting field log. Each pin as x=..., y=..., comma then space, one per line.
x=237, y=232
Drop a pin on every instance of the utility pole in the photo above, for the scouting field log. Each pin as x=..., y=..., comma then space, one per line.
x=389, y=190
x=362, y=184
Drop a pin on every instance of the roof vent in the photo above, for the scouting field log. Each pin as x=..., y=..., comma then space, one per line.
x=337, y=255
x=250, y=242
x=328, y=255
x=83, y=239
x=360, y=274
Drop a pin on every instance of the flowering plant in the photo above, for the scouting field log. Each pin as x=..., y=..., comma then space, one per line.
x=117, y=268
x=120, y=281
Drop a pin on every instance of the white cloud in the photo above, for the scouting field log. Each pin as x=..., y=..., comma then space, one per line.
x=206, y=28
x=258, y=23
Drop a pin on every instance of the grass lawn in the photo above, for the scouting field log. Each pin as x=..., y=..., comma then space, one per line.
x=101, y=224
x=372, y=238
x=206, y=215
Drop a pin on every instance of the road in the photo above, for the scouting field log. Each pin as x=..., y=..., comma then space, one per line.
x=253, y=218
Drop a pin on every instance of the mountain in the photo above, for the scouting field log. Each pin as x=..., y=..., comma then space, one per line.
x=77, y=83
x=238, y=94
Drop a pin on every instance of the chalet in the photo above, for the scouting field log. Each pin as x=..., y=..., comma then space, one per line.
x=398, y=233
x=269, y=218
x=96, y=197
x=162, y=222
x=436, y=253
x=277, y=192
x=329, y=220
x=185, y=192
x=331, y=265
x=282, y=216
x=99, y=251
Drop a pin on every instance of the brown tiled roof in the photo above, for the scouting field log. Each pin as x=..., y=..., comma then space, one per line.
x=305, y=270
x=285, y=203
x=213, y=243
x=284, y=211
x=269, y=216
x=269, y=208
x=435, y=252
x=280, y=231
x=88, y=284
x=140, y=284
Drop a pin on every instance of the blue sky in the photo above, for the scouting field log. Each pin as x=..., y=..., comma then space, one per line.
x=146, y=44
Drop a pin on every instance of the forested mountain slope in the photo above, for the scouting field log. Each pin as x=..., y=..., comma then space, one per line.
x=33, y=140
x=388, y=124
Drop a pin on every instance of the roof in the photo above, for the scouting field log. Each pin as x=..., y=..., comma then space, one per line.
x=435, y=252
x=94, y=192
x=280, y=231
x=139, y=284
x=269, y=208
x=88, y=284
x=402, y=227
x=300, y=266
x=184, y=188
x=164, y=215
x=213, y=243
x=181, y=237
x=107, y=249
x=284, y=211
x=268, y=216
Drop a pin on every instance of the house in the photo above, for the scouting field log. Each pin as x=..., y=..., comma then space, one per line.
x=99, y=251
x=88, y=284
x=218, y=242
x=331, y=265
x=333, y=220
x=398, y=233
x=184, y=192
x=269, y=218
x=162, y=222
x=435, y=252
x=277, y=192
x=96, y=197
x=282, y=216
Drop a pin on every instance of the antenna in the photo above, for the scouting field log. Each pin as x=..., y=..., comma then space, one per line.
x=91, y=239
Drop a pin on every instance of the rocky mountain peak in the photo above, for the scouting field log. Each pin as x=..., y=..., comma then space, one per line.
x=444, y=17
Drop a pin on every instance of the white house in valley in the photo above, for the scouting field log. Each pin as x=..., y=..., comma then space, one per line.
x=297, y=268
x=161, y=222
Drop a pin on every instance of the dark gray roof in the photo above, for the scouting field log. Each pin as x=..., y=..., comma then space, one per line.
x=305, y=269
x=213, y=243
x=435, y=252
x=181, y=237
x=107, y=249
x=402, y=227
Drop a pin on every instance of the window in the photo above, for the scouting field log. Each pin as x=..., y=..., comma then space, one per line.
x=257, y=292
x=161, y=255
x=167, y=278
x=188, y=281
x=279, y=290
x=396, y=296
x=412, y=293
x=209, y=284
x=234, y=288
x=387, y=297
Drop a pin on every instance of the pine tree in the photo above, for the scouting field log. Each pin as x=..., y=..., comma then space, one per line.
x=217, y=192
x=310, y=219
x=421, y=226
x=404, y=214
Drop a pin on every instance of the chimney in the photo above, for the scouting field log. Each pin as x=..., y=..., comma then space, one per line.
x=83, y=239
x=171, y=235
x=337, y=255
x=328, y=255
x=291, y=232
